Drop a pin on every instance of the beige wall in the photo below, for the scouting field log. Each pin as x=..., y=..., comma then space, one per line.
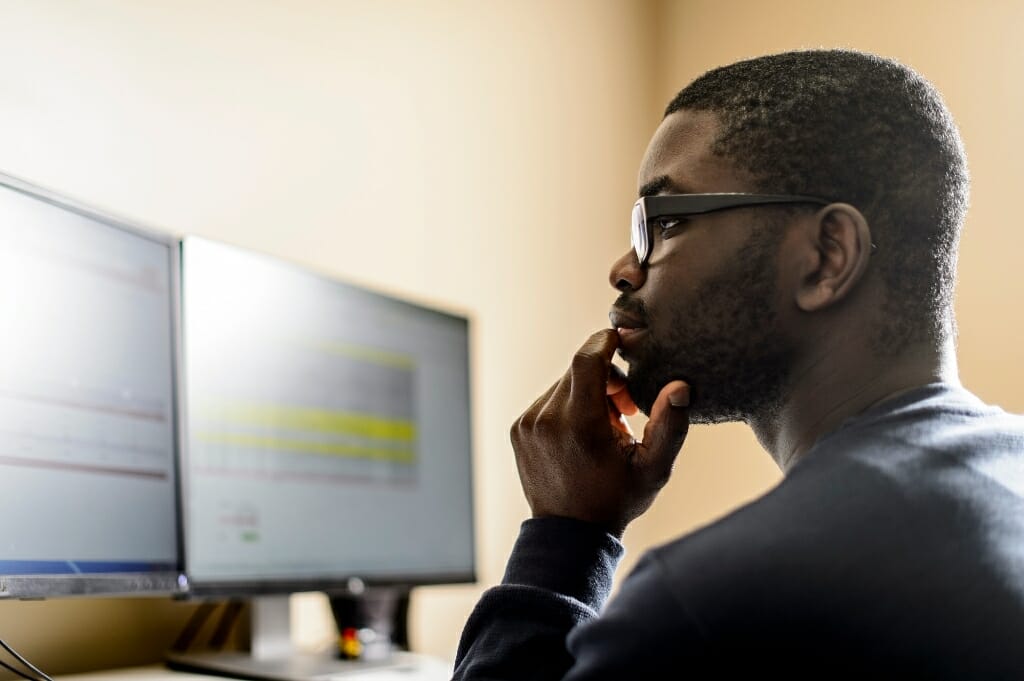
x=478, y=156
x=474, y=155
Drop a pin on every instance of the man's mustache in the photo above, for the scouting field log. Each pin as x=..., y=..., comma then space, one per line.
x=632, y=307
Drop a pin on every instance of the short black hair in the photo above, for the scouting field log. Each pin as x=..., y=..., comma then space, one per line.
x=862, y=129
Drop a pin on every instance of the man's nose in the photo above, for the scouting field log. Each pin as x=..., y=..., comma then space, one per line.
x=626, y=273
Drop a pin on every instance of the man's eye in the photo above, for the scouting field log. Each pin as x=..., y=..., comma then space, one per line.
x=665, y=224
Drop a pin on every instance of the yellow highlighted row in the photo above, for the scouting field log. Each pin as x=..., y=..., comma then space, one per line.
x=406, y=456
x=367, y=354
x=319, y=420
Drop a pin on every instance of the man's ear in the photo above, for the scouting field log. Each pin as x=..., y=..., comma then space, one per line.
x=840, y=246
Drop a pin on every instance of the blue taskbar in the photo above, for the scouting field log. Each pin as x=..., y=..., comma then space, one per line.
x=80, y=567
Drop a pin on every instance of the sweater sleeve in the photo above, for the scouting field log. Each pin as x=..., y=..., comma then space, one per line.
x=558, y=577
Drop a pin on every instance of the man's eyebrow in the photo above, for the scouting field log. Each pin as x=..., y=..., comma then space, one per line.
x=659, y=185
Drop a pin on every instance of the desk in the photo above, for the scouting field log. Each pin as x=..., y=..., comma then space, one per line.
x=432, y=669
x=153, y=673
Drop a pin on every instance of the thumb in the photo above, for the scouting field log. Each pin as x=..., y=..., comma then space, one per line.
x=666, y=429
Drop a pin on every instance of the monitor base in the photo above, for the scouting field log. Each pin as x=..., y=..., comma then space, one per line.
x=377, y=615
x=310, y=667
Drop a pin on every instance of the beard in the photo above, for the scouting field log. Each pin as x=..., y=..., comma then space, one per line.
x=725, y=344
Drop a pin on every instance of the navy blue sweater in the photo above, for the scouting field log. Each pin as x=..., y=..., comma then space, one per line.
x=893, y=549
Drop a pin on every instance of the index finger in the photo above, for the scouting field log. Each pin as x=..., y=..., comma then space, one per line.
x=591, y=367
x=616, y=380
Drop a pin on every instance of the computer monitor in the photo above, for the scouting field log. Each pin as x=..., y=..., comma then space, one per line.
x=87, y=402
x=326, y=431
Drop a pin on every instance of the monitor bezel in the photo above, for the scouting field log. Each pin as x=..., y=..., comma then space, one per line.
x=343, y=581
x=129, y=584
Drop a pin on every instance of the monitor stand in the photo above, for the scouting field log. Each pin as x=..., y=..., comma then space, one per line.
x=273, y=657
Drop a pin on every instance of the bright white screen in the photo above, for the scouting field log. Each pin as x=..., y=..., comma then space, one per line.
x=327, y=429
x=86, y=401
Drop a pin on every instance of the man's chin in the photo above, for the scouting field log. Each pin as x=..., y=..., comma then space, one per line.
x=644, y=391
x=640, y=393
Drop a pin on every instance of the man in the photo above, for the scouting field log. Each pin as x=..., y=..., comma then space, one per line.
x=814, y=302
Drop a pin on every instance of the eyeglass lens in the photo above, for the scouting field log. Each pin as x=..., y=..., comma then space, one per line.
x=639, y=233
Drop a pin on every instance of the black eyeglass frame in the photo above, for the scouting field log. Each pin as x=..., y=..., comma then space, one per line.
x=650, y=208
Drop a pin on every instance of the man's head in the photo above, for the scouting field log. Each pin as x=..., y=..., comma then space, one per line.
x=721, y=294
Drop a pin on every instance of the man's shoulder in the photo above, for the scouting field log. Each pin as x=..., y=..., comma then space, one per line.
x=938, y=416
x=876, y=504
x=905, y=457
x=797, y=518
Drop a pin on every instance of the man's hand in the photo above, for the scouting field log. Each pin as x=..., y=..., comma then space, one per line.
x=576, y=455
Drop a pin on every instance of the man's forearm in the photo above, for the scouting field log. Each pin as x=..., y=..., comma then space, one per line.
x=557, y=578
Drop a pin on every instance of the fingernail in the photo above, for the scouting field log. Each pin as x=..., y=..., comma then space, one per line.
x=680, y=398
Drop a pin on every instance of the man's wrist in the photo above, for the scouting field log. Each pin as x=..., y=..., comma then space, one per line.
x=568, y=556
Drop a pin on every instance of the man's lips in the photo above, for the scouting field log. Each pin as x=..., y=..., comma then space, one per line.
x=626, y=333
x=630, y=329
x=621, y=319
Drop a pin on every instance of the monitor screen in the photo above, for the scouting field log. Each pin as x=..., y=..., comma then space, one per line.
x=87, y=404
x=327, y=430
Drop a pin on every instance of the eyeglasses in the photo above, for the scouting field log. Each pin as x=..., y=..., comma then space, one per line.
x=650, y=208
